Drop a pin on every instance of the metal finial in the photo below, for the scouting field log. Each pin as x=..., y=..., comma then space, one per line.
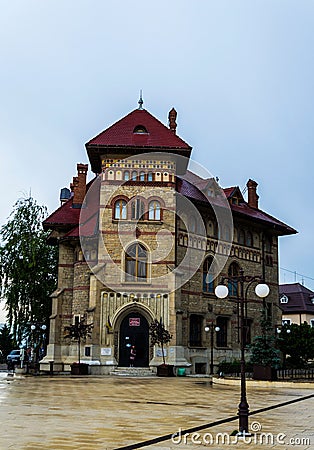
x=140, y=102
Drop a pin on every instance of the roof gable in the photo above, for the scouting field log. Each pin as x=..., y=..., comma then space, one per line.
x=138, y=130
x=299, y=298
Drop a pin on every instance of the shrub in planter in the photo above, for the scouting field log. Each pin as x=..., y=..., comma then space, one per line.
x=161, y=336
x=79, y=369
x=232, y=367
x=165, y=370
x=266, y=373
x=79, y=331
x=264, y=357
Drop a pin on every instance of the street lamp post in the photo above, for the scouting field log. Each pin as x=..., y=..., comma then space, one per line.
x=278, y=331
x=211, y=327
x=37, y=337
x=261, y=290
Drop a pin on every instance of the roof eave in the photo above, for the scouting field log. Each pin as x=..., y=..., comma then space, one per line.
x=94, y=151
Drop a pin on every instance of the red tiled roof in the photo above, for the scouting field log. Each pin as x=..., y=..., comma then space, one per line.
x=299, y=298
x=86, y=229
x=67, y=216
x=229, y=191
x=64, y=216
x=121, y=135
x=192, y=191
x=261, y=216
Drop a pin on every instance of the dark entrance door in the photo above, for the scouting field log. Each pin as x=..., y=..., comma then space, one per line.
x=134, y=330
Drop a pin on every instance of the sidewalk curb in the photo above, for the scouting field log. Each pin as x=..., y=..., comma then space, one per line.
x=263, y=384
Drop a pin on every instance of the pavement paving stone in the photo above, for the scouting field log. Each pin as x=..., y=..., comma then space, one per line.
x=91, y=413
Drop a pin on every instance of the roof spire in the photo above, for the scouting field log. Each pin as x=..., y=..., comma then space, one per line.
x=140, y=102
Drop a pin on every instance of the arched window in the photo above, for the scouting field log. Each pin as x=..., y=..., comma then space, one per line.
x=137, y=209
x=208, y=275
x=233, y=271
x=126, y=175
x=134, y=175
x=154, y=210
x=227, y=233
x=142, y=176
x=249, y=239
x=140, y=129
x=268, y=244
x=150, y=176
x=120, y=210
x=136, y=263
x=241, y=238
x=192, y=224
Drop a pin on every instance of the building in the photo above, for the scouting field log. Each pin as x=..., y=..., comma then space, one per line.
x=148, y=239
x=297, y=304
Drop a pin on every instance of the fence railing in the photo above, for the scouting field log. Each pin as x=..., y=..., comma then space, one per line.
x=295, y=374
x=282, y=374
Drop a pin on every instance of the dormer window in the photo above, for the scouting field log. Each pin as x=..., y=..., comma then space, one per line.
x=140, y=129
x=284, y=299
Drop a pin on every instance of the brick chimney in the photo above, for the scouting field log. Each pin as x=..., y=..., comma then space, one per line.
x=252, y=194
x=78, y=187
x=172, y=116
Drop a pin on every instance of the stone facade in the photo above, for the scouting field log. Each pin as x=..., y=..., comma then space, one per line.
x=118, y=259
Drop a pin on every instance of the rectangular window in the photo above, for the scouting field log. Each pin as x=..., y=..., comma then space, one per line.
x=222, y=334
x=87, y=351
x=77, y=320
x=247, y=331
x=286, y=322
x=137, y=209
x=196, y=322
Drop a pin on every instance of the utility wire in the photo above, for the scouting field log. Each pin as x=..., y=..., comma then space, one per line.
x=296, y=273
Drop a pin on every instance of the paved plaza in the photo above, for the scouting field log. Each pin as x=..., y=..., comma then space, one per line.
x=91, y=413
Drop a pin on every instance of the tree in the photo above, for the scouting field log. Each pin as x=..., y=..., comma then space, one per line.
x=297, y=341
x=263, y=348
x=79, y=331
x=6, y=341
x=28, y=267
x=159, y=335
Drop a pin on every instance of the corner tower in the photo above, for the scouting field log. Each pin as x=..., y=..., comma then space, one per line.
x=136, y=160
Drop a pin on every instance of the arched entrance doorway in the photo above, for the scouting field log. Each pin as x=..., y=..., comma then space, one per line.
x=134, y=330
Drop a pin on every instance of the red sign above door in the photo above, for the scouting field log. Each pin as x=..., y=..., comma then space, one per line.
x=134, y=321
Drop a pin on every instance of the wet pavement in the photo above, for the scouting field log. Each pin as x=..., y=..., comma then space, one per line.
x=91, y=413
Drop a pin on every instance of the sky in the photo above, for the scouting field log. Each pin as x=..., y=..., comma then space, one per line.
x=238, y=72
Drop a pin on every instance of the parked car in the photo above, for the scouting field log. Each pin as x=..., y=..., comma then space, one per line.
x=14, y=357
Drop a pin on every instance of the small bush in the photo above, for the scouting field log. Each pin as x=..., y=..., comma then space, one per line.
x=230, y=367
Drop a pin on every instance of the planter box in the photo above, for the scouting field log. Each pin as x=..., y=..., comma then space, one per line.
x=265, y=373
x=165, y=370
x=79, y=369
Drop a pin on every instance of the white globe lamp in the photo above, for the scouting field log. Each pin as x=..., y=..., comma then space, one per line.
x=221, y=291
x=262, y=290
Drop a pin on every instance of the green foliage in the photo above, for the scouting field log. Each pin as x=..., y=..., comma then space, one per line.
x=28, y=267
x=264, y=352
x=79, y=331
x=232, y=367
x=263, y=349
x=298, y=344
x=6, y=341
x=159, y=335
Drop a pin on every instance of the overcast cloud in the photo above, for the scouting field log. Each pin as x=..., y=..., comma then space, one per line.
x=239, y=73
